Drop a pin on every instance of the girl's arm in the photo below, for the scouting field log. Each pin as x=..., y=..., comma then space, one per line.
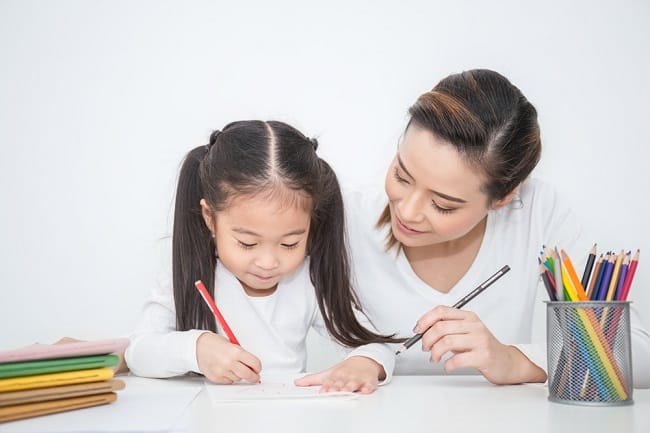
x=158, y=350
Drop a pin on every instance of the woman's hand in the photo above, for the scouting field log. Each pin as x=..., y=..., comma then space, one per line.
x=223, y=362
x=472, y=344
x=357, y=373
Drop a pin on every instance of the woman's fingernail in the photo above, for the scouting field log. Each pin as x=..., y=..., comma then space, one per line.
x=416, y=329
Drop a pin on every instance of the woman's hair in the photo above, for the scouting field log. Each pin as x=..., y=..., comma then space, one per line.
x=250, y=158
x=488, y=121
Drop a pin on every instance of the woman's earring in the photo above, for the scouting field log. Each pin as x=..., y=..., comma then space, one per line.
x=214, y=241
x=517, y=202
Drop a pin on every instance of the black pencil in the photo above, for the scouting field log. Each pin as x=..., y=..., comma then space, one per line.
x=589, y=267
x=460, y=304
x=547, y=283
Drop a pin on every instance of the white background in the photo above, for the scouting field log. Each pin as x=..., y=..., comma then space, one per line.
x=100, y=100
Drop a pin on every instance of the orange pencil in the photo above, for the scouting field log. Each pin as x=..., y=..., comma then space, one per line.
x=577, y=285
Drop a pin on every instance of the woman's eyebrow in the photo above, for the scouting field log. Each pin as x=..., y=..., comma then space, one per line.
x=439, y=194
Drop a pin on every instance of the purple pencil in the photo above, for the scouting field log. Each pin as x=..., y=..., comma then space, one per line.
x=621, y=277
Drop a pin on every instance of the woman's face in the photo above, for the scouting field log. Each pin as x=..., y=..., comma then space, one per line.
x=434, y=196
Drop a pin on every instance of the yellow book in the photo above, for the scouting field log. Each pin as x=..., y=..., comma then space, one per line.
x=55, y=379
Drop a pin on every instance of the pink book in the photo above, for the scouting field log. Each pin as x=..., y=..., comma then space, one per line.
x=64, y=350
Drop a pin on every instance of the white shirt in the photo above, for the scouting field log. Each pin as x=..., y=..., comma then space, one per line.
x=394, y=297
x=273, y=328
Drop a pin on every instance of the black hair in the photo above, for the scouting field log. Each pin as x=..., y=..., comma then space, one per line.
x=253, y=157
x=489, y=122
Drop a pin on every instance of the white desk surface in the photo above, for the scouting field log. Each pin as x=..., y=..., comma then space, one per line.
x=415, y=404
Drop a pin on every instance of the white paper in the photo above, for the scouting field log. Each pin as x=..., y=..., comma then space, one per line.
x=270, y=388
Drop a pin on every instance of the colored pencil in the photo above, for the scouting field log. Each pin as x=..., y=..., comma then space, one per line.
x=559, y=287
x=622, y=276
x=569, y=290
x=566, y=261
x=611, y=290
x=595, y=276
x=544, y=275
x=607, y=275
x=217, y=314
x=630, y=275
x=588, y=267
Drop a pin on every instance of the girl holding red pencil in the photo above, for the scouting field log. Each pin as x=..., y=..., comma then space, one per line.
x=259, y=221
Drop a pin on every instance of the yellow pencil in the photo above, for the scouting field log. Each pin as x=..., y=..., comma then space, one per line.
x=568, y=286
x=611, y=291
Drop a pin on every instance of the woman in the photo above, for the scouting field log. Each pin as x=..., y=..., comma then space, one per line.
x=458, y=206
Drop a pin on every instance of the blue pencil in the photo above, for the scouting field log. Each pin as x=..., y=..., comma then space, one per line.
x=607, y=276
x=599, y=277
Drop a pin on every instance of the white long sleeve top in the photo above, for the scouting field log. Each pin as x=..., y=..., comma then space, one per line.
x=273, y=328
x=394, y=297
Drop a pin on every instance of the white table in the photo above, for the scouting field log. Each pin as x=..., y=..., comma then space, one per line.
x=423, y=404
x=409, y=404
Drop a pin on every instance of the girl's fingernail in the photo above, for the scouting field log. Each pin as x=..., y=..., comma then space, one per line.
x=416, y=329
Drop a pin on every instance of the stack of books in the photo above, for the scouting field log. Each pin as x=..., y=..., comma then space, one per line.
x=48, y=378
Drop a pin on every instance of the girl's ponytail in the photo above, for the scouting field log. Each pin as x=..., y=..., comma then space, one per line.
x=330, y=266
x=193, y=248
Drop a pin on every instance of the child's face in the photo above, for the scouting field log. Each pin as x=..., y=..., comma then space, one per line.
x=261, y=240
x=434, y=196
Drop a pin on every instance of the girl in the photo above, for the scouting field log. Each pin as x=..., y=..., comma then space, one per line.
x=259, y=219
x=457, y=207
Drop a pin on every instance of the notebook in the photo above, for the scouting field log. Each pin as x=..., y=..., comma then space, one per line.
x=65, y=350
x=58, y=392
x=11, y=413
x=28, y=368
x=55, y=379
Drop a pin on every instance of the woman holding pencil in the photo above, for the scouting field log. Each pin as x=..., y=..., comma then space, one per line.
x=459, y=205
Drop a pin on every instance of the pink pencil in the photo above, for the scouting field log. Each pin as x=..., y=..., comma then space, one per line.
x=213, y=307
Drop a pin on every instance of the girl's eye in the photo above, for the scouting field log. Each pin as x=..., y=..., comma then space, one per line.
x=289, y=246
x=443, y=210
x=399, y=178
x=245, y=245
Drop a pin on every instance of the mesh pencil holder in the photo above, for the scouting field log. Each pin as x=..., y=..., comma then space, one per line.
x=589, y=353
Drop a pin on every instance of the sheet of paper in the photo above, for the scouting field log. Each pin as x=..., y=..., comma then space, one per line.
x=279, y=387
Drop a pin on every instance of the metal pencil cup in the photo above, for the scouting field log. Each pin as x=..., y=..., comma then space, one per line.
x=589, y=353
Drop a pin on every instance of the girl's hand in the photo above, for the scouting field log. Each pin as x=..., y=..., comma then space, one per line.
x=223, y=362
x=472, y=345
x=357, y=373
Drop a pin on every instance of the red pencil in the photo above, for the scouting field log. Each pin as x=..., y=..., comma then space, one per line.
x=213, y=307
x=630, y=276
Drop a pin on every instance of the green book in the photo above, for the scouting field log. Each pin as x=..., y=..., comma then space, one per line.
x=30, y=368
